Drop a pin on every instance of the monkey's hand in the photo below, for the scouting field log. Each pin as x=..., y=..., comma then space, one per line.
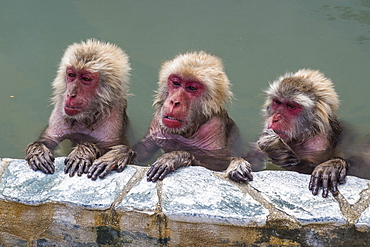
x=328, y=174
x=279, y=152
x=81, y=158
x=169, y=162
x=239, y=170
x=117, y=158
x=39, y=157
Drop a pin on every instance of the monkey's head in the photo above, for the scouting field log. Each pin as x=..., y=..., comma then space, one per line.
x=192, y=88
x=91, y=79
x=301, y=105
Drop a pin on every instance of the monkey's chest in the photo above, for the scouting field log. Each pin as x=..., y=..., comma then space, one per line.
x=169, y=142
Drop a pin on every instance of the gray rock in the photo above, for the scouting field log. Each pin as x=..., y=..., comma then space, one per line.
x=364, y=220
x=195, y=194
x=143, y=197
x=288, y=191
x=188, y=206
x=352, y=188
x=21, y=184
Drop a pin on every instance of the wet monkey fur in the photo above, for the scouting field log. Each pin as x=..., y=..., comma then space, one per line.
x=190, y=123
x=301, y=129
x=89, y=109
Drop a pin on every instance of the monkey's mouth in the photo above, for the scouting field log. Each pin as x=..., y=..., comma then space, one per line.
x=172, y=122
x=71, y=110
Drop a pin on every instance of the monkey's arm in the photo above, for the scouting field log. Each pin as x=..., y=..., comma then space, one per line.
x=146, y=148
x=328, y=174
x=256, y=157
x=169, y=162
x=279, y=152
x=39, y=153
x=116, y=158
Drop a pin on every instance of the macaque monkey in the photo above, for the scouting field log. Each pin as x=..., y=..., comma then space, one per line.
x=301, y=129
x=190, y=123
x=89, y=109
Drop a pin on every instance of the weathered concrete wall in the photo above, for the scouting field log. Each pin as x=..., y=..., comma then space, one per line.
x=190, y=207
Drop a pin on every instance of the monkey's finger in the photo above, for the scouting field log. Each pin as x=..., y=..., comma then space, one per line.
x=73, y=168
x=246, y=173
x=334, y=184
x=52, y=157
x=68, y=164
x=81, y=167
x=237, y=177
x=50, y=167
x=41, y=166
x=132, y=155
x=33, y=165
x=150, y=173
x=122, y=165
x=97, y=172
x=158, y=173
x=95, y=165
x=241, y=174
x=316, y=185
x=93, y=168
x=164, y=173
x=49, y=158
x=107, y=169
x=342, y=176
x=310, y=186
x=325, y=185
x=249, y=176
x=120, y=168
x=231, y=176
x=87, y=166
x=49, y=163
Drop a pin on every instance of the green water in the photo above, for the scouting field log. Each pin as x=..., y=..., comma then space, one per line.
x=258, y=41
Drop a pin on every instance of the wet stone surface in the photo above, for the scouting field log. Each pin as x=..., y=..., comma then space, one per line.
x=353, y=187
x=364, y=220
x=210, y=199
x=289, y=192
x=21, y=184
x=143, y=197
x=190, y=204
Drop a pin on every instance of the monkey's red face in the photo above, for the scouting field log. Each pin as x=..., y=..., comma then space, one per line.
x=182, y=93
x=81, y=90
x=284, y=114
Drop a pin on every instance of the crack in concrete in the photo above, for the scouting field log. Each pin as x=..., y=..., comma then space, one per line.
x=139, y=174
x=352, y=212
x=276, y=217
x=160, y=218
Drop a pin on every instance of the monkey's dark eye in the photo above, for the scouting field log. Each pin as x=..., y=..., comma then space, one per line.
x=191, y=88
x=291, y=106
x=278, y=102
x=71, y=75
x=176, y=83
x=86, y=78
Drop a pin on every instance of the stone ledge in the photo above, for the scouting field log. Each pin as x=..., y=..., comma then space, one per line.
x=192, y=206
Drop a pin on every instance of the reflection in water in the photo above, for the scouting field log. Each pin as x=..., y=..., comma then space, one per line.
x=358, y=11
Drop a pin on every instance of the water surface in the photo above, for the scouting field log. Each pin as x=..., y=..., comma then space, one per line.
x=257, y=40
